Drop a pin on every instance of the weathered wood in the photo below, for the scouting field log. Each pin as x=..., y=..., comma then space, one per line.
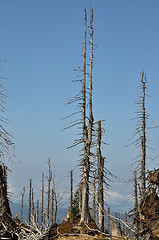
x=143, y=160
x=42, y=201
x=30, y=201
x=37, y=211
x=48, y=191
x=52, y=205
x=22, y=193
x=4, y=201
x=100, y=181
x=108, y=226
x=85, y=180
x=71, y=195
x=94, y=198
x=136, y=206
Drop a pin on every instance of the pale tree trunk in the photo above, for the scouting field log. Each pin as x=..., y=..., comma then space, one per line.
x=80, y=197
x=30, y=189
x=85, y=188
x=4, y=202
x=87, y=135
x=48, y=192
x=22, y=193
x=94, y=198
x=143, y=161
x=37, y=211
x=136, y=205
x=71, y=195
x=42, y=201
x=55, y=213
x=52, y=205
x=33, y=209
x=108, y=220
x=100, y=181
x=126, y=222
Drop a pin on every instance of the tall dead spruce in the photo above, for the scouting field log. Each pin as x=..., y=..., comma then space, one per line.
x=141, y=142
x=6, y=151
x=87, y=163
x=100, y=181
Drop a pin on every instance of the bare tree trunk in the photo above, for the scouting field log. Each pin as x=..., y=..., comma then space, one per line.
x=37, y=212
x=42, y=201
x=136, y=205
x=87, y=145
x=22, y=193
x=108, y=227
x=126, y=221
x=30, y=204
x=55, y=213
x=85, y=187
x=100, y=181
x=80, y=197
x=33, y=209
x=94, y=198
x=4, y=202
x=48, y=192
x=143, y=161
x=71, y=195
x=52, y=205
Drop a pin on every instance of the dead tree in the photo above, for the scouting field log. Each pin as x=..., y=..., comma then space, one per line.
x=71, y=194
x=100, y=181
x=33, y=207
x=22, y=193
x=30, y=201
x=6, y=151
x=85, y=163
x=140, y=133
x=48, y=190
x=126, y=223
x=80, y=198
x=42, y=201
x=136, y=206
x=52, y=205
x=94, y=198
x=108, y=226
x=143, y=137
x=37, y=212
x=4, y=200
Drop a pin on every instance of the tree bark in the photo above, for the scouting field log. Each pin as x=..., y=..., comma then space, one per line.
x=136, y=205
x=100, y=181
x=143, y=161
x=30, y=189
x=71, y=194
x=4, y=202
x=85, y=180
x=48, y=192
x=42, y=201
x=22, y=204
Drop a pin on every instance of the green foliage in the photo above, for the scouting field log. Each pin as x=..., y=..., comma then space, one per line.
x=75, y=206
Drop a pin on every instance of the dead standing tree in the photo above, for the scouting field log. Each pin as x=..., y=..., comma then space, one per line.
x=22, y=194
x=141, y=141
x=87, y=135
x=4, y=200
x=48, y=191
x=100, y=163
x=6, y=151
x=86, y=139
x=104, y=177
x=143, y=138
x=87, y=161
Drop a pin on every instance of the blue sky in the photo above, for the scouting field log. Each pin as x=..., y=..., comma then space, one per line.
x=42, y=43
